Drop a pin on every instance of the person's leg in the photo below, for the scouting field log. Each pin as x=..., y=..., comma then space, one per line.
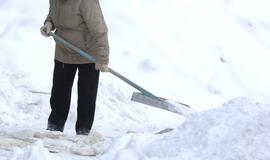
x=88, y=79
x=63, y=78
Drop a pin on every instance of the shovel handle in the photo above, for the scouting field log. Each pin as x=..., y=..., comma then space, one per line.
x=91, y=58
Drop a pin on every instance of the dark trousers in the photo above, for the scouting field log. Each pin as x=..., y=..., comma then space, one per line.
x=63, y=78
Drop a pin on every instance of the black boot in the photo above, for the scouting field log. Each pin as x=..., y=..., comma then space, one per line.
x=53, y=127
x=83, y=132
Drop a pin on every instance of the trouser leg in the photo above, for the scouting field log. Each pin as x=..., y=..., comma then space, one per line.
x=63, y=78
x=88, y=79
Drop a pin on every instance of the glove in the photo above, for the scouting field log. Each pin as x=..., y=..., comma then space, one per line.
x=46, y=28
x=102, y=67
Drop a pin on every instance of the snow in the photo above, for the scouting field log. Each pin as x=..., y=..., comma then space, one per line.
x=33, y=152
x=203, y=53
x=238, y=129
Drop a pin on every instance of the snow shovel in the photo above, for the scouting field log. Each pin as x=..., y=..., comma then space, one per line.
x=144, y=96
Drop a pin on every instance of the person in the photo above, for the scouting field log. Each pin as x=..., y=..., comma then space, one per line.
x=80, y=22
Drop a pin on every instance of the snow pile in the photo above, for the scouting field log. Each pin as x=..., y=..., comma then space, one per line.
x=238, y=130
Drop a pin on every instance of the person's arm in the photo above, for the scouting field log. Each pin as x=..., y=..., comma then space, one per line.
x=93, y=17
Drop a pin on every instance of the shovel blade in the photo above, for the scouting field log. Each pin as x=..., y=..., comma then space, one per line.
x=162, y=103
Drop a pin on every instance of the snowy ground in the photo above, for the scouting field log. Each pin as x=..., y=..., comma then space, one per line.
x=207, y=51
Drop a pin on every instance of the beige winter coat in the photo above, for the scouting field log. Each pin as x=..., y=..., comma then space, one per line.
x=80, y=22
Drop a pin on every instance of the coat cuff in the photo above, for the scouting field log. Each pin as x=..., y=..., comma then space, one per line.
x=102, y=57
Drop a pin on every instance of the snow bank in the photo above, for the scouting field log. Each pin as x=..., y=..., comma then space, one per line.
x=238, y=130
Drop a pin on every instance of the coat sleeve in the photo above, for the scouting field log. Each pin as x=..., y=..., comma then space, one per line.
x=49, y=18
x=94, y=19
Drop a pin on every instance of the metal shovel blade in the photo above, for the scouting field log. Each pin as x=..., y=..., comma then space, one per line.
x=162, y=103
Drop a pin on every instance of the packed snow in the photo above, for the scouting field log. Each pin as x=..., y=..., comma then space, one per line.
x=210, y=54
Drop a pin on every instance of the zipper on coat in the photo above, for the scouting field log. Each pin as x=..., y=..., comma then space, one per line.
x=63, y=65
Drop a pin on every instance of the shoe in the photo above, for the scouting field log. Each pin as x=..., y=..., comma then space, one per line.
x=82, y=132
x=53, y=127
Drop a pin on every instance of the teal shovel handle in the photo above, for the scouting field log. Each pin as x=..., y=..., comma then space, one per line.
x=91, y=58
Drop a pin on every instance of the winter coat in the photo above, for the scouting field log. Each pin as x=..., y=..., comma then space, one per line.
x=80, y=22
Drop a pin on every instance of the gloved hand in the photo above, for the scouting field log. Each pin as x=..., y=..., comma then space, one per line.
x=46, y=28
x=102, y=67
